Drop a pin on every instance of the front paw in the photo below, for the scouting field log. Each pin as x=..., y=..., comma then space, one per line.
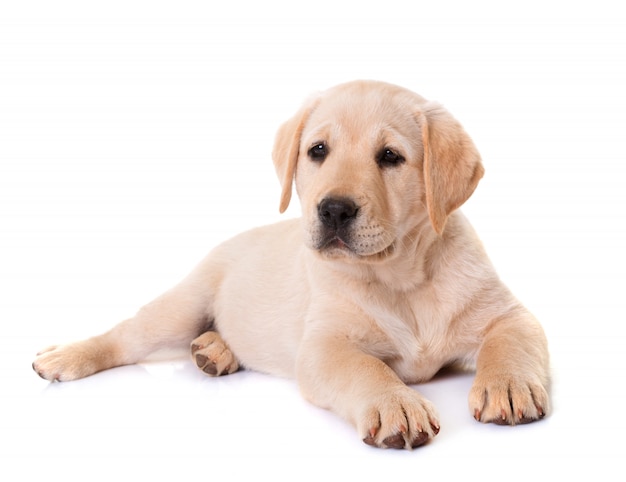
x=400, y=419
x=508, y=399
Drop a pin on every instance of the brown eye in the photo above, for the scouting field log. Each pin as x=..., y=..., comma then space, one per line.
x=389, y=158
x=318, y=152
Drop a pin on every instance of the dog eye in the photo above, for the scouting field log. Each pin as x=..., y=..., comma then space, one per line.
x=318, y=152
x=389, y=158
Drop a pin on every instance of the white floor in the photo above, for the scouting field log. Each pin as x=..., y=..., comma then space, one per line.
x=135, y=137
x=167, y=419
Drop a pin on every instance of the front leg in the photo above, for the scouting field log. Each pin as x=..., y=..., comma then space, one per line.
x=512, y=372
x=335, y=374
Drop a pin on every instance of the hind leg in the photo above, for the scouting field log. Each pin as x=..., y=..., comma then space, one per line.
x=212, y=355
x=171, y=320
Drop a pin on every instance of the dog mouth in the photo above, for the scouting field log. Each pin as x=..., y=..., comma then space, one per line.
x=334, y=245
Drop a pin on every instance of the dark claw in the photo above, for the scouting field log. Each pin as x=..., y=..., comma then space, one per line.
x=369, y=440
x=395, y=441
x=523, y=419
x=421, y=439
x=39, y=373
x=500, y=421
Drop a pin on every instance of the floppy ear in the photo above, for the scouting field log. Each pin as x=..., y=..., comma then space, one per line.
x=452, y=166
x=286, y=151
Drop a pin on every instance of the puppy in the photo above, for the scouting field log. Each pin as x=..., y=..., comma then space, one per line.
x=380, y=284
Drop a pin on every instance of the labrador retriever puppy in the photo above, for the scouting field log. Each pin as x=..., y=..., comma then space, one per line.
x=381, y=283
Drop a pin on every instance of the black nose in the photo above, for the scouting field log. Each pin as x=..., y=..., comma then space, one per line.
x=336, y=213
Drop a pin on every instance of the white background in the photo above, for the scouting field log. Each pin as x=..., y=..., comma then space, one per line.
x=134, y=136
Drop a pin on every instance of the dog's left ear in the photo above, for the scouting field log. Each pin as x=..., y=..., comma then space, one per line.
x=452, y=166
x=287, y=148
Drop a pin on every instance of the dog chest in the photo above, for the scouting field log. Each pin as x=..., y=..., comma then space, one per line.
x=416, y=336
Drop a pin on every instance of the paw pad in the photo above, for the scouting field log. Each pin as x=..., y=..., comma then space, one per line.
x=212, y=355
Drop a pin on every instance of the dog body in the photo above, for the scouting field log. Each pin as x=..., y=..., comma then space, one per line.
x=382, y=282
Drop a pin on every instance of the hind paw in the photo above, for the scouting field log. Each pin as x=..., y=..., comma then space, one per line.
x=212, y=355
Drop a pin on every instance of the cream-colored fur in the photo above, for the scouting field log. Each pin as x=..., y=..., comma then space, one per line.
x=382, y=282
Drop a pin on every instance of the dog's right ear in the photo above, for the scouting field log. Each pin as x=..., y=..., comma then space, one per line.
x=287, y=148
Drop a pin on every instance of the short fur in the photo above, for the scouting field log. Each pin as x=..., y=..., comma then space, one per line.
x=382, y=288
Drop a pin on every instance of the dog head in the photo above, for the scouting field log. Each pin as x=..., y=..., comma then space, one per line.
x=372, y=162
